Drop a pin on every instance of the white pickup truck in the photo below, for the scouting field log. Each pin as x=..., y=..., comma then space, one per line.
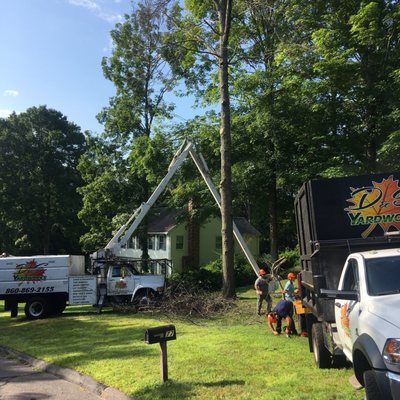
x=46, y=284
x=367, y=315
x=349, y=239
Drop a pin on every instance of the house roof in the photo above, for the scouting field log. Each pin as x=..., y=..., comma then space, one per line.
x=165, y=219
x=245, y=227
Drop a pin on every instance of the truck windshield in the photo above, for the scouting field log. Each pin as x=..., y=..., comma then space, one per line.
x=383, y=275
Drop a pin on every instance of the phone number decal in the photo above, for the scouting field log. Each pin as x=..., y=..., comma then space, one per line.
x=47, y=289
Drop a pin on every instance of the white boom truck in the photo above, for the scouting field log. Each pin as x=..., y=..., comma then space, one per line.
x=48, y=283
x=348, y=230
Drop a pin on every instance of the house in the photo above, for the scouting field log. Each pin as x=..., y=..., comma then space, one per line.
x=174, y=242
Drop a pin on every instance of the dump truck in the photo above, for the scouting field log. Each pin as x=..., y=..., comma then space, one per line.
x=348, y=233
x=47, y=284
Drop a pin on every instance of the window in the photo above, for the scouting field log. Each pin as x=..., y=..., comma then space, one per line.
x=218, y=243
x=162, y=242
x=151, y=242
x=135, y=243
x=121, y=271
x=179, y=242
x=351, y=277
x=383, y=275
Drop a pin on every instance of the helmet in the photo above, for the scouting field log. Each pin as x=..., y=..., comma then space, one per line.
x=262, y=272
x=271, y=318
x=291, y=275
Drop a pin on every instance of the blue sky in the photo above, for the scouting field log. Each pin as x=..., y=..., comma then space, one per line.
x=51, y=55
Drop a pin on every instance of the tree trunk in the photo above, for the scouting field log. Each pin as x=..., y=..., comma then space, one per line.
x=228, y=288
x=273, y=218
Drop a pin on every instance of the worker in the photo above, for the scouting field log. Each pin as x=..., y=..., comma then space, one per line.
x=283, y=310
x=289, y=290
x=261, y=285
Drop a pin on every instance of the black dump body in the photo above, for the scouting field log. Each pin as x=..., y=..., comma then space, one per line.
x=339, y=216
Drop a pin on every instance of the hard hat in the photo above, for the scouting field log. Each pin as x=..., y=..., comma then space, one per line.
x=262, y=272
x=291, y=275
x=271, y=318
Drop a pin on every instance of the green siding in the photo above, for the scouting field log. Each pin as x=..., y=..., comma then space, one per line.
x=209, y=232
x=177, y=254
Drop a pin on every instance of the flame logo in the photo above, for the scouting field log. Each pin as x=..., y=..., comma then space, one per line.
x=120, y=285
x=30, y=272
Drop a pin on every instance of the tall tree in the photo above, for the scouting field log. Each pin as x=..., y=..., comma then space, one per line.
x=356, y=49
x=201, y=45
x=39, y=151
x=141, y=78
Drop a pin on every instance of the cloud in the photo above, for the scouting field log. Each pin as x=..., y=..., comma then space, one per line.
x=5, y=113
x=95, y=7
x=11, y=93
x=89, y=4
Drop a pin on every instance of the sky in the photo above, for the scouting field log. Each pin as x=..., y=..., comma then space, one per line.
x=51, y=52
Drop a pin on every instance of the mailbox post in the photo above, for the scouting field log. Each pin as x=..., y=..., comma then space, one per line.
x=161, y=334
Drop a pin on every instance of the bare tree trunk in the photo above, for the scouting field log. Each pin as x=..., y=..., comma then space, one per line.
x=228, y=289
x=273, y=218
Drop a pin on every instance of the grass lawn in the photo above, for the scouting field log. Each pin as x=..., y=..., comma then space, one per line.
x=230, y=357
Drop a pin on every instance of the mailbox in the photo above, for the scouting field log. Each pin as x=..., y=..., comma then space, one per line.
x=160, y=334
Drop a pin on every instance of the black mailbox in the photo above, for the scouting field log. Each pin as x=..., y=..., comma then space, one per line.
x=160, y=334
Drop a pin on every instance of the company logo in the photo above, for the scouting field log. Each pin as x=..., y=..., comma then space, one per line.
x=345, y=319
x=120, y=284
x=375, y=205
x=30, y=272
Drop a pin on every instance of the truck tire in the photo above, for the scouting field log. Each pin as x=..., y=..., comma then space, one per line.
x=322, y=357
x=144, y=297
x=36, y=307
x=372, y=391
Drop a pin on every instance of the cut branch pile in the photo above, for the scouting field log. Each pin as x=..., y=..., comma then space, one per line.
x=184, y=300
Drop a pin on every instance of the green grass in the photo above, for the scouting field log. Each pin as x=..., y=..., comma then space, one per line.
x=234, y=356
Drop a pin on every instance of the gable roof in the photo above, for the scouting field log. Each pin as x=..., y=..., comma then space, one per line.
x=163, y=220
x=245, y=227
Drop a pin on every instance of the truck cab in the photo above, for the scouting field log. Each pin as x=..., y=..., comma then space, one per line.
x=368, y=325
x=125, y=284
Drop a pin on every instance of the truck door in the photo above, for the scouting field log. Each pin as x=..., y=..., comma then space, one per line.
x=347, y=311
x=120, y=281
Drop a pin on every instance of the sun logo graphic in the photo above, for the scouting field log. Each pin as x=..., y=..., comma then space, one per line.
x=375, y=205
x=30, y=272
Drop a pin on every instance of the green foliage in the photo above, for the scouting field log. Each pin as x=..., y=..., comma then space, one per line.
x=139, y=73
x=39, y=152
x=209, y=277
x=292, y=259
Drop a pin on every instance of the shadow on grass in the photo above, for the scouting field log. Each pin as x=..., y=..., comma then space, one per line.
x=180, y=390
x=70, y=340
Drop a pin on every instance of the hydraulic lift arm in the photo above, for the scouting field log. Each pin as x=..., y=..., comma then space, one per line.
x=126, y=231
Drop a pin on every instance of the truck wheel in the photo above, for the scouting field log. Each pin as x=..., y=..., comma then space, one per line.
x=322, y=357
x=144, y=297
x=36, y=307
x=372, y=391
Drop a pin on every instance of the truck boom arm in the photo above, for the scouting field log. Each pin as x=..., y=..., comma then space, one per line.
x=126, y=231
